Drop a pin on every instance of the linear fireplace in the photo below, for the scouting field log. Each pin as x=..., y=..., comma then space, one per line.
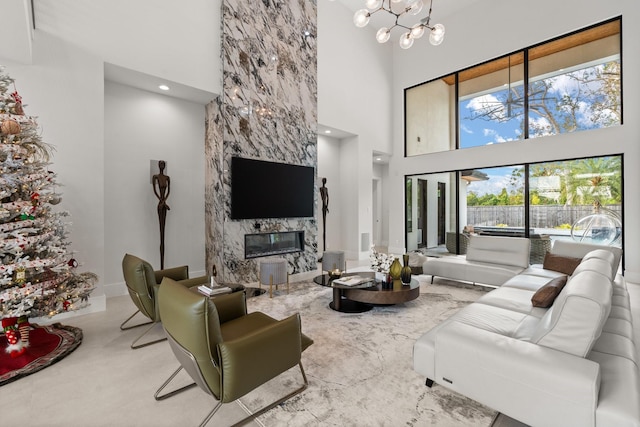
x=265, y=244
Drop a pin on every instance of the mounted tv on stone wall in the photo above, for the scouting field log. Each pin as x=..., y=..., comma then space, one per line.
x=262, y=189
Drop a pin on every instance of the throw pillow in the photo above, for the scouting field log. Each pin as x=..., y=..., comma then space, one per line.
x=546, y=295
x=561, y=264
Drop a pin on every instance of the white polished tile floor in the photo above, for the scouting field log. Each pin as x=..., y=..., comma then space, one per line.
x=105, y=383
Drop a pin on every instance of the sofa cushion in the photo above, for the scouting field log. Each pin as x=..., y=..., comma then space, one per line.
x=514, y=299
x=532, y=279
x=579, y=250
x=498, y=320
x=575, y=320
x=561, y=264
x=459, y=268
x=546, y=295
x=597, y=265
x=513, y=251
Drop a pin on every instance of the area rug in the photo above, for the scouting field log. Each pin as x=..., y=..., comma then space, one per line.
x=47, y=345
x=360, y=365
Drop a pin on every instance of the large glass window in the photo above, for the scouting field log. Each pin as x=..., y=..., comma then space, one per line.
x=572, y=83
x=430, y=117
x=495, y=201
x=491, y=102
x=578, y=199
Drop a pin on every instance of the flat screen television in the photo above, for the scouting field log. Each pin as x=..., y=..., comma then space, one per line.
x=262, y=189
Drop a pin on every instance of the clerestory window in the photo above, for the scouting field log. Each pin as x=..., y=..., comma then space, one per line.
x=573, y=84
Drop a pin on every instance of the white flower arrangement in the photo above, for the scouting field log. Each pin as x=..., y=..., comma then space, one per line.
x=380, y=262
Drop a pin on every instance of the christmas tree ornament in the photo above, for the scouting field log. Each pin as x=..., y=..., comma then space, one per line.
x=24, y=327
x=20, y=276
x=54, y=199
x=17, y=108
x=10, y=328
x=10, y=127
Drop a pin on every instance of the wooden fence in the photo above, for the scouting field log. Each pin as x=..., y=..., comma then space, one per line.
x=542, y=216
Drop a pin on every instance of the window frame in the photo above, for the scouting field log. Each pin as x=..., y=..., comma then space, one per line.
x=553, y=43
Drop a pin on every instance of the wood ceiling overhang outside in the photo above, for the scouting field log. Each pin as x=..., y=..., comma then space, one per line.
x=549, y=48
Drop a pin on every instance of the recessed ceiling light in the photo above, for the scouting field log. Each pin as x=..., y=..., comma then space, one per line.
x=163, y=87
x=378, y=159
x=327, y=131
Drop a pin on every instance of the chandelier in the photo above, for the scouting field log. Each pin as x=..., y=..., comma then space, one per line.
x=399, y=9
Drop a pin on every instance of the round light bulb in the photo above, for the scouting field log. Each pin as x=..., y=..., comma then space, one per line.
x=416, y=7
x=383, y=35
x=417, y=31
x=406, y=41
x=373, y=4
x=436, y=36
x=361, y=18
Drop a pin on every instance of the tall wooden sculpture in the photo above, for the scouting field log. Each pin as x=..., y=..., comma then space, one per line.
x=324, y=193
x=162, y=188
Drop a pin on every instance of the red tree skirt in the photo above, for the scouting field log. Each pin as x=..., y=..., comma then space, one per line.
x=47, y=345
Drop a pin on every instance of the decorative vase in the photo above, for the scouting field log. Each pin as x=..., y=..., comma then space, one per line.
x=396, y=269
x=405, y=273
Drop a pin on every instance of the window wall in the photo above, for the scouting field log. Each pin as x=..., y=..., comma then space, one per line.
x=578, y=199
x=430, y=120
x=573, y=83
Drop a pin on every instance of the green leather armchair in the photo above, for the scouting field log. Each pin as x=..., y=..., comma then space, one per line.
x=143, y=284
x=226, y=351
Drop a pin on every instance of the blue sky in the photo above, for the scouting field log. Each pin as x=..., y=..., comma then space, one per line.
x=480, y=132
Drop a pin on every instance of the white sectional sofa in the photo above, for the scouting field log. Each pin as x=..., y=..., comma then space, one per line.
x=489, y=260
x=572, y=364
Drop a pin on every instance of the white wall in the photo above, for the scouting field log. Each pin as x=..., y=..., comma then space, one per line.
x=142, y=126
x=354, y=77
x=329, y=159
x=354, y=95
x=176, y=40
x=467, y=42
x=64, y=89
x=381, y=175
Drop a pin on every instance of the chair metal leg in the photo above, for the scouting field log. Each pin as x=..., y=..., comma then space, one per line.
x=158, y=396
x=135, y=347
x=126, y=328
x=208, y=417
x=272, y=405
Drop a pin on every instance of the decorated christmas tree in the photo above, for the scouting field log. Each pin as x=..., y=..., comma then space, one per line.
x=38, y=274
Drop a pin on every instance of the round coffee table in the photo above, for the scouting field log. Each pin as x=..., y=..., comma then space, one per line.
x=361, y=298
x=378, y=296
x=341, y=304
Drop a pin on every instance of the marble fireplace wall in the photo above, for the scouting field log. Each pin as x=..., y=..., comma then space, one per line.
x=268, y=111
